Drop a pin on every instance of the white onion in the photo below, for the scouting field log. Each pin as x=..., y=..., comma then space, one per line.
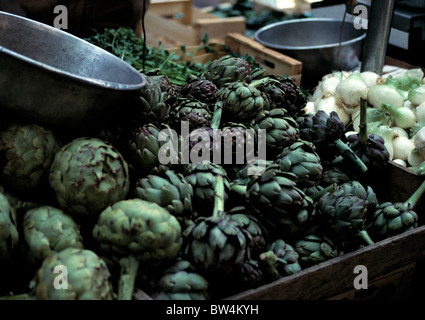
x=402, y=147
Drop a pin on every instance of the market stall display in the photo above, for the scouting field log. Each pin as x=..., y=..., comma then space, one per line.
x=221, y=178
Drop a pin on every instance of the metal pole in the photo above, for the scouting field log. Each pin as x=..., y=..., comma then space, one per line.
x=378, y=33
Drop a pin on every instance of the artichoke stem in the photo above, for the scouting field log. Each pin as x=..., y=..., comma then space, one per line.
x=218, y=197
x=258, y=82
x=216, y=119
x=270, y=260
x=329, y=188
x=23, y=296
x=129, y=267
x=363, y=122
x=415, y=196
x=241, y=190
x=366, y=238
x=347, y=152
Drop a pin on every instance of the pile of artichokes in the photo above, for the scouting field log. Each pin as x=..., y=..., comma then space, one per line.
x=99, y=212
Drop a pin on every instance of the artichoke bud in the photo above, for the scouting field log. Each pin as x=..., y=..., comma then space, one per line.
x=9, y=235
x=228, y=69
x=87, y=175
x=88, y=277
x=139, y=228
x=26, y=153
x=47, y=229
x=391, y=219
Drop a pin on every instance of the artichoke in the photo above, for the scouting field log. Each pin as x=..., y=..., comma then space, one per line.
x=47, y=229
x=193, y=111
x=181, y=282
x=134, y=231
x=342, y=215
x=251, y=274
x=169, y=190
x=254, y=232
x=201, y=89
x=202, y=178
x=242, y=101
x=285, y=94
x=314, y=249
x=154, y=100
x=87, y=175
x=391, y=219
x=26, y=153
x=87, y=277
x=228, y=69
x=281, y=131
x=301, y=159
x=374, y=153
x=276, y=199
x=325, y=132
x=9, y=236
x=279, y=260
x=334, y=174
x=215, y=244
x=151, y=146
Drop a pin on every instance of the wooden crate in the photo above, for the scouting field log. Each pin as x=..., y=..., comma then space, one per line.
x=272, y=61
x=390, y=263
x=177, y=22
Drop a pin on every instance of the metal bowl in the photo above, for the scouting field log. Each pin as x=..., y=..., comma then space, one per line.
x=315, y=42
x=51, y=76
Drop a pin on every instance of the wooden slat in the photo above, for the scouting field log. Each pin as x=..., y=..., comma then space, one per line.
x=180, y=33
x=217, y=27
x=173, y=7
x=273, y=61
x=336, y=276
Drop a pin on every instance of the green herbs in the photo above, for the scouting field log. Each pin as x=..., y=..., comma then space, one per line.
x=124, y=43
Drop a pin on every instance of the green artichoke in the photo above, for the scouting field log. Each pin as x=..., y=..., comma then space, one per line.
x=26, y=153
x=154, y=101
x=193, y=111
x=145, y=151
x=301, y=159
x=284, y=93
x=9, y=235
x=342, y=215
x=251, y=274
x=255, y=233
x=87, y=277
x=228, y=69
x=202, y=178
x=280, y=260
x=181, y=282
x=334, y=174
x=87, y=175
x=326, y=132
x=276, y=199
x=47, y=229
x=314, y=249
x=215, y=244
x=242, y=101
x=281, y=130
x=391, y=219
x=201, y=89
x=374, y=153
x=134, y=231
x=170, y=190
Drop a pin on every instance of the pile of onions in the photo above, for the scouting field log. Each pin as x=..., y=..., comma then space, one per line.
x=396, y=108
